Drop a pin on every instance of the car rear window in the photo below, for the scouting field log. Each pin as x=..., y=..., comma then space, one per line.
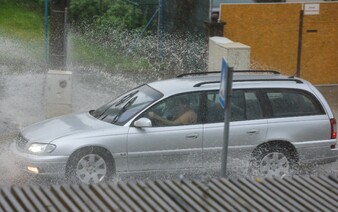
x=288, y=103
x=252, y=104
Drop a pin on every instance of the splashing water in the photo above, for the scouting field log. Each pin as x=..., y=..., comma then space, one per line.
x=23, y=79
x=23, y=74
x=22, y=93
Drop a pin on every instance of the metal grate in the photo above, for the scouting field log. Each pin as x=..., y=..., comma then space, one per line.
x=289, y=194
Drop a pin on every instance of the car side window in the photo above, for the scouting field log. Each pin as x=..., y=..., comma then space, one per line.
x=176, y=110
x=244, y=106
x=253, y=109
x=214, y=111
x=288, y=103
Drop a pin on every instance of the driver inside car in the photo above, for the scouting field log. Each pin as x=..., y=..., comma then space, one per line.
x=184, y=113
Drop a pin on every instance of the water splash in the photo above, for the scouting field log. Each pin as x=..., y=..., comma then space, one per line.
x=22, y=95
x=22, y=91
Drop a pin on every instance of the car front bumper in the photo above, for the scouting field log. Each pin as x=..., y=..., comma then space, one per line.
x=37, y=164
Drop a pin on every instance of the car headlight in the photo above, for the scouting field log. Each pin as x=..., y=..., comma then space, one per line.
x=40, y=148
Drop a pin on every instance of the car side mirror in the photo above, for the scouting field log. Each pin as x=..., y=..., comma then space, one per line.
x=143, y=122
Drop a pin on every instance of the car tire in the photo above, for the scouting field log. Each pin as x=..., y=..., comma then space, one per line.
x=90, y=165
x=271, y=161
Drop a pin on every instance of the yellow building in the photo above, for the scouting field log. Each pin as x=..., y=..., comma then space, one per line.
x=298, y=39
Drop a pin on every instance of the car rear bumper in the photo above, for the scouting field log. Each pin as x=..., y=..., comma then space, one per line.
x=45, y=165
x=318, y=152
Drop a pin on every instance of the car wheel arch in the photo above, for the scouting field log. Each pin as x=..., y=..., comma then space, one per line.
x=278, y=143
x=95, y=149
x=267, y=159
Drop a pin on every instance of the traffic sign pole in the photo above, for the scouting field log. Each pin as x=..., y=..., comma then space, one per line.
x=227, y=116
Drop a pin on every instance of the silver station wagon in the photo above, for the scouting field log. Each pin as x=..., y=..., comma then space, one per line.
x=277, y=122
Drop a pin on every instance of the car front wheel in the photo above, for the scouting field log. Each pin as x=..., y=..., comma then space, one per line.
x=89, y=166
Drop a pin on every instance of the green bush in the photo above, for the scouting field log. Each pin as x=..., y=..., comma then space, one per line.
x=110, y=13
x=84, y=10
x=121, y=14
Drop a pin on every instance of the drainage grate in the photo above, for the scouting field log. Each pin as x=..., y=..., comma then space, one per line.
x=289, y=194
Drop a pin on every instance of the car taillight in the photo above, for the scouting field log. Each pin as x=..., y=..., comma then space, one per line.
x=333, y=124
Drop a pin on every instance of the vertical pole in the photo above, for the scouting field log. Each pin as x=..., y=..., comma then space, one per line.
x=134, y=15
x=46, y=31
x=227, y=116
x=65, y=50
x=300, y=40
x=160, y=21
x=211, y=2
x=57, y=44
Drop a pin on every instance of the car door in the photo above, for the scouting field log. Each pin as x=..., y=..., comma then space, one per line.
x=162, y=147
x=247, y=128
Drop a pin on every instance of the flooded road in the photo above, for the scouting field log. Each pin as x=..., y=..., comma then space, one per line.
x=22, y=100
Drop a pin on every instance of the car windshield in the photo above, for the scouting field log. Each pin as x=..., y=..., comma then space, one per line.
x=121, y=109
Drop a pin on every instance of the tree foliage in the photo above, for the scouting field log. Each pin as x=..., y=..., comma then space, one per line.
x=116, y=13
x=121, y=14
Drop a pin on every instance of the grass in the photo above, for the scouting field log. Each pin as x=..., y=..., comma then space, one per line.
x=20, y=22
x=25, y=24
x=84, y=52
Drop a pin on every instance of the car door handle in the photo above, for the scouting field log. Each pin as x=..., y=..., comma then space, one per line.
x=192, y=136
x=252, y=132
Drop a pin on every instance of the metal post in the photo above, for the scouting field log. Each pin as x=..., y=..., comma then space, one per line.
x=160, y=21
x=58, y=83
x=300, y=40
x=211, y=2
x=46, y=31
x=65, y=50
x=57, y=44
x=227, y=116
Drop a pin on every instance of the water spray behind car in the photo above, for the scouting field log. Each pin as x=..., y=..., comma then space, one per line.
x=23, y=78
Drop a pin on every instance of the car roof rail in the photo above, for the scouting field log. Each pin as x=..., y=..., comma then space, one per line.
x=197, y=73
x=235, y=71
x=257, y=71
x=207, y=82
x=283, y=79
x=249, y=80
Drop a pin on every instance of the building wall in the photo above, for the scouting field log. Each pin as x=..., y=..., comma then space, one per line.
x=273, y=33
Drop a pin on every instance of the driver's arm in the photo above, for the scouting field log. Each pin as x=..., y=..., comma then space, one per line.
x=153, y=115
x=183, y=119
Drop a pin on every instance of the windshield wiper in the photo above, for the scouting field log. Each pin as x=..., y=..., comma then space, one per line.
x=123, y=109
x=125, y=98
x=116, y=104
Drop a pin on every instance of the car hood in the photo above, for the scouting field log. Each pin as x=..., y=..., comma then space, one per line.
x=51, y=129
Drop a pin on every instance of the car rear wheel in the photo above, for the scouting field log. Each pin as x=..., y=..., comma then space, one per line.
x=90, y=166
x=271, y=161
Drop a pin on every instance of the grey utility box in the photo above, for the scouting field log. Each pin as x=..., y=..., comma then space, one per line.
x=58, y=92
x=236, y=54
